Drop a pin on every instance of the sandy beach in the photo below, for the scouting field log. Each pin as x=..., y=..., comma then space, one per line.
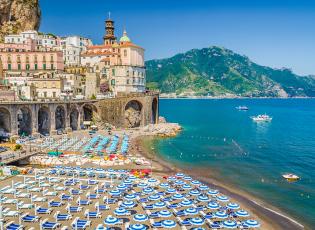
x=270, y=217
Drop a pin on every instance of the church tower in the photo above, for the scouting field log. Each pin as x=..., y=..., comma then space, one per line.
x=109, y=37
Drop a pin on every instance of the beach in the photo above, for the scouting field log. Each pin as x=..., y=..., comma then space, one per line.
x=270, y=217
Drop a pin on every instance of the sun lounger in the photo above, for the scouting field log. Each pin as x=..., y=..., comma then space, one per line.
x=29, y=218
x=40, y=210
x=9, y=213
x=21, y=205
x=50, y=225
x=66, y=197
x=84, y=202
x=62, y=217
x=10, y=201
x=12, y=226
x=90, y=214
x=75, y=209
x=157, y=225
x=80, y=224
x=75, y=192
x=55, y=204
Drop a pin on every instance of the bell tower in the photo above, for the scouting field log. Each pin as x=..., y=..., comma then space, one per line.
x=109, y=37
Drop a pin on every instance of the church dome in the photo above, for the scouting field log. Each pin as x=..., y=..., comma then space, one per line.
x=125, y=38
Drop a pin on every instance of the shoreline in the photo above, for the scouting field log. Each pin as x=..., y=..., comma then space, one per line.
x=232, y=98
x=271, y=217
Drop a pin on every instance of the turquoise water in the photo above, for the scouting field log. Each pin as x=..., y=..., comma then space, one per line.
x=251, y=156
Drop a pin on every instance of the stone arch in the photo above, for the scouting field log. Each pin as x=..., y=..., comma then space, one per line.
x=88, y=111
x=60, y=117
x=74, y=117
x=24, y=121
x=154, y=118
x=43, y=120
x=133, y=114
x=5, y=120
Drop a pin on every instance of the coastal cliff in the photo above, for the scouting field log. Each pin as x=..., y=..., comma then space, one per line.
x=18, y=15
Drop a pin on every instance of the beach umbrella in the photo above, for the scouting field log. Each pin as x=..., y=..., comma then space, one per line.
x=147, y=190
x=229, y=224
x=168, y=224
x=180, y=175
x=242, y=213
x=197, y=221
x=128, y=182
x=114, y=192
x=203, y=187
x=137, y=227
x=213, y=192
x=153, y=181
x=154, y=197
x=164, y=185
x=122, y=187
x=142, y=185
x=178, y=196
x=195, y=182
x=171, y=178
x=213, y=205
x=140, y=217
x=221, y=215
x=191, y=211
x=179, y=182
x=223, y=198
x=170, y=190
x=186, y=186
x=129, y=204
x=110, y=220
x=187, y=178
x=132, y=177
x=186, y=203
x=120, y=211
x=130, y=197
x=233, y=206
x=194, y=192
x=159, y=204
x=252, y=223
x=203, y=198
x=164, y=213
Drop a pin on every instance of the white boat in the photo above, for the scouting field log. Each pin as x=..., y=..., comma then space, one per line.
x=242, y=107
x=262, y=118
x=290, y=177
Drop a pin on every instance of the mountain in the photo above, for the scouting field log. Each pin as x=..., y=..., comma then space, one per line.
x=18, y=15
x=217, y=71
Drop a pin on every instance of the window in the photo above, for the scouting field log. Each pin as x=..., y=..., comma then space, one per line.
x=112, y=82
x=54, y=94
x=51, y=66
x=19, y=66
x=125, y=53
x=45, y=94
x=35, y=67
x=9, y=66
x=27, y=66
x=113, y=72
x=127, y=81
x=44, y=66
x=51, y=58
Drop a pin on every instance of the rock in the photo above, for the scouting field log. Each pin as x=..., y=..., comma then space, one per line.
x=18, y=15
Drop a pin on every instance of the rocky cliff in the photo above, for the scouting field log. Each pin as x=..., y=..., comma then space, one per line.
x=18, y=15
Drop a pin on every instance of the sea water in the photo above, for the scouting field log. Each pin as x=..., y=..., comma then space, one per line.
x=251, y=156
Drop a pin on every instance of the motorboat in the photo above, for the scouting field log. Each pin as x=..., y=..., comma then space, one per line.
x=290, y=177
x=262, y=118
x=244, y=108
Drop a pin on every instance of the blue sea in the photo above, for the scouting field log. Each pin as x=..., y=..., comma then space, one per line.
x=250, y=156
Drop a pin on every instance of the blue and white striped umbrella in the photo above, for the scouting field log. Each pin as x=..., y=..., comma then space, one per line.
x=195, y=182
x=233, y=206
x=229, y=224
x=122, y=187
x=164, y=185
x=130, y=197
x=132, y=177
x=178, y=196
x=168, y=224
x=114, y=192
x=137, y=227
x=110, y=220
x=170, y=190
x=213, y=192
x=159, y=205
x=252, y=223
x=194, y=192
x=164, y=213
x=191, y=211
x=154, y=197
x=142, y=185
x=129, y=204
x=203, y=198
x=140, y=217
x=186, y=203
x=179, y=182
x=186, y=186
x=187, y=178
x=120, y=211
x=213, y=205
x=221, y=215
x=148, y=190
x=242, y=213
x=153, y=181
x=171, y=178
x=197, y=221
x=128, y=182
x=180, y=175
x=203, y=187
x=222, y=198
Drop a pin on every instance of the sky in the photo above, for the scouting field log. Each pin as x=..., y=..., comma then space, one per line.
x=275, y=33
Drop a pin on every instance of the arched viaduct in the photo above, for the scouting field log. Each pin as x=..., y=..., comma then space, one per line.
x=29, y=118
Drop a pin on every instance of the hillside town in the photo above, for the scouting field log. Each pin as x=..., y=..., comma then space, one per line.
x=45, y=67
